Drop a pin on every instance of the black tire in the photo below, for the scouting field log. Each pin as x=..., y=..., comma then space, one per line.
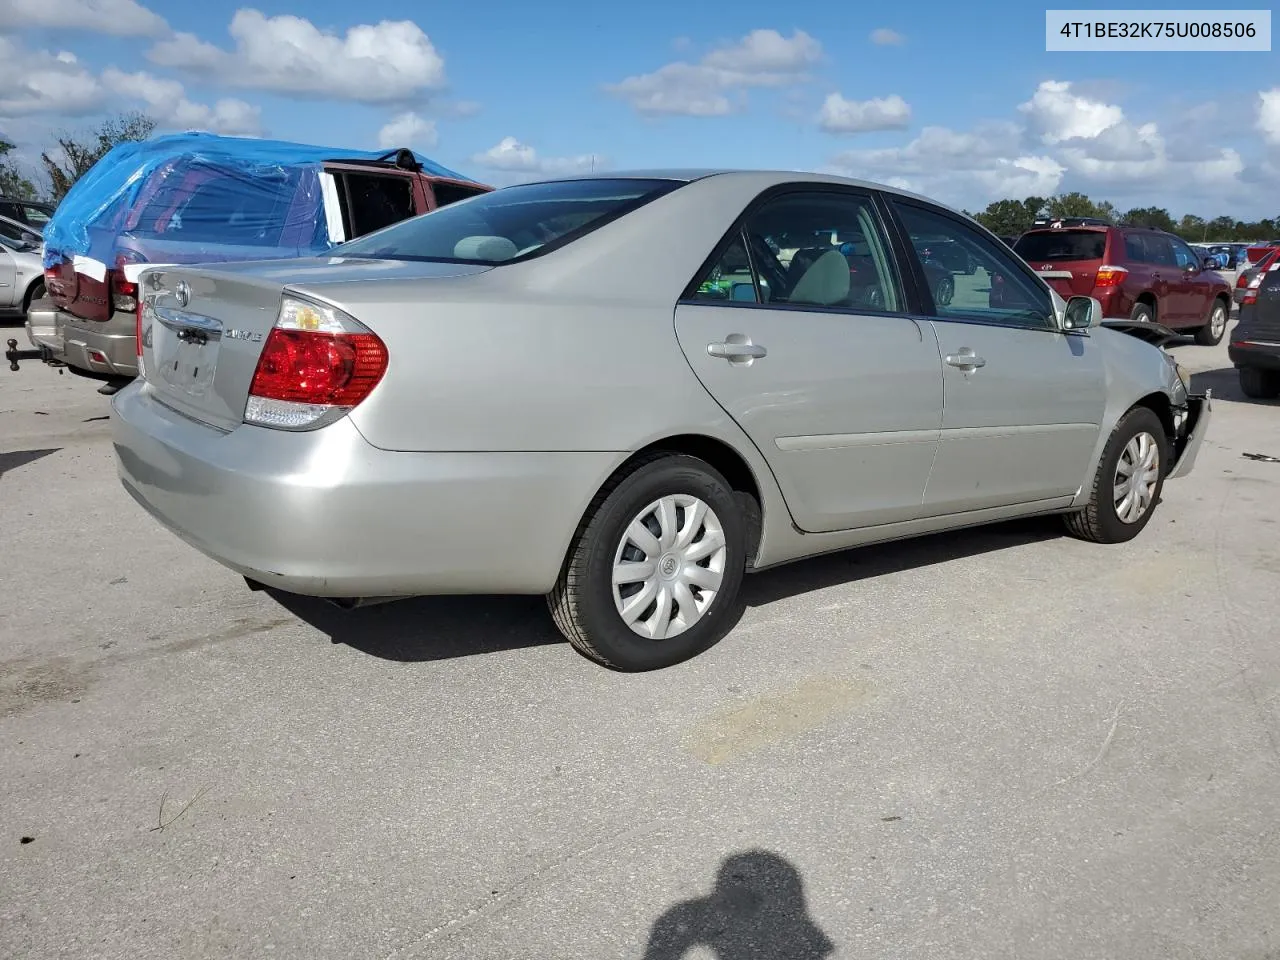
x=36, y=292
x=1259, y=384
x=944, y=292
x=582, y=602
x=1099, y=521
x=1142, y=313
x=1205, y=335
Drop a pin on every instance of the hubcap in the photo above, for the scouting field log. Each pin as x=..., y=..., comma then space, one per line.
x=668, y=567
x=1137, y=474
x=1218, y=320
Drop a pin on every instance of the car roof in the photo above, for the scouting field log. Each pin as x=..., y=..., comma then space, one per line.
x=763, y=177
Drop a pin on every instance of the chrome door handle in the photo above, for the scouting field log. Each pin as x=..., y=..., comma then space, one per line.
x=736, y=351
x=966, y=360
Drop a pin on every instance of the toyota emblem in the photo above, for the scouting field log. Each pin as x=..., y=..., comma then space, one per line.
x=183, y=293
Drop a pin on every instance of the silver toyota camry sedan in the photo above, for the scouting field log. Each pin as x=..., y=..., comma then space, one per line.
x=626, y=390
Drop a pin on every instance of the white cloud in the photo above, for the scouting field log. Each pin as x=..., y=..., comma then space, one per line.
x=1064, y=139
x=1269, y=114
x=956, y=166
x=39, y=82
x=767, y=52
x=1058, y=114
x=839, y=115
x=763, y=58
x=521, y=161
x=884, y=37
x=121, y=18
x=408, y=130
x=166, y=101
x=371, y=63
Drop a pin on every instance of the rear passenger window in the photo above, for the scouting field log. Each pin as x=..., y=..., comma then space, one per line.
x=997, y=291
x=1159, y=250
x=1135, y=250
x=371, y=201
x=812, y=249
x=447, y=193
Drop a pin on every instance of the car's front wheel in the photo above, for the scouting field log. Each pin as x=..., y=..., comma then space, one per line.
x=1127, y=485
x=653, y=573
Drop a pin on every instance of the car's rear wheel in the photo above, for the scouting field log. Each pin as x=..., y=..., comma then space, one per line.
x=37, y=292
x=1142, y=313
x=653, y=573
x=1210, y=335
x=1258, y=384
x=944, y=292
x=1127, y=485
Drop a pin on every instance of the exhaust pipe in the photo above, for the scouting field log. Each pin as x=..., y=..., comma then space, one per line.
x=343, y=603
x=355, y=603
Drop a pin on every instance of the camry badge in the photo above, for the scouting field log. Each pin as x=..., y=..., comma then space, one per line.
x=183, y=293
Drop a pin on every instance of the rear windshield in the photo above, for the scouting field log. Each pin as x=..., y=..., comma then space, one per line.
x=200, y=204
x=1049, y=245
x=508, y=223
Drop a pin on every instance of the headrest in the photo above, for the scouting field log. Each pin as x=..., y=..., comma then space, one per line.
x=484, y=248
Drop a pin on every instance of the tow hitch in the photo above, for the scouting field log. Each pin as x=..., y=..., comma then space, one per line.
x=44, y=354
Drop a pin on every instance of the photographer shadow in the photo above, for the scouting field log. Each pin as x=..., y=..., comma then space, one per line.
x=756, y=911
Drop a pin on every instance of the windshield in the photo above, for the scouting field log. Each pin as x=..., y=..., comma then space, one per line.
x=1049, y=245
x=509, y=223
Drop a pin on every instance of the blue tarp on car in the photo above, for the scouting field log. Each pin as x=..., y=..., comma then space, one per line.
x=261, y=187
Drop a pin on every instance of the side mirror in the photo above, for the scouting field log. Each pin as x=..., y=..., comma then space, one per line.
x=745, y=292
x=1210, y=263
x=1082, y=313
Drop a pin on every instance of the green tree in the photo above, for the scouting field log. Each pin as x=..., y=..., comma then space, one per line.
x=12, y=182
x=1074, y=204
x=1156, y=217
x=79, y=154
x=1191, y=227
x=1004, y=218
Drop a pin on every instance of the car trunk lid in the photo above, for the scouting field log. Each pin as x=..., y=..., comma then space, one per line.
x=203, y=328
x=1067, y=259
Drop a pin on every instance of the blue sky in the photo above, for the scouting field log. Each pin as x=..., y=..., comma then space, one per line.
x=967, y=107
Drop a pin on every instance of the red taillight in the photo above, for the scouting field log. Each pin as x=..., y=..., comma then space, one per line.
x=1242, y=281
x=124, y=292
x=1109, y=276
x=329, y=369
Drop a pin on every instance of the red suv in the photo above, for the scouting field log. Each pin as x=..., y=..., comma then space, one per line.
x=1137, y=273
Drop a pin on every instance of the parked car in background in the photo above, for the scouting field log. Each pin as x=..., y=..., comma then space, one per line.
x=1255, y=342
x=34, y=213
x=17, y=233
x=1237, y=254
x=1220, y=255
x=946, y=254
x=1247, y=275
x=1138, y=274
x=21, y=275
x=550, y=389
x=194, y=198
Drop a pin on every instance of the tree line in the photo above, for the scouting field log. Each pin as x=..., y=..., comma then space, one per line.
x=1011, y=217
x=70, y=158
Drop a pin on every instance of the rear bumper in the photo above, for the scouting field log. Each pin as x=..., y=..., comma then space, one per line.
x=326, y=514
x=1264, y=354
x=1199, y=412
x=105, y=348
